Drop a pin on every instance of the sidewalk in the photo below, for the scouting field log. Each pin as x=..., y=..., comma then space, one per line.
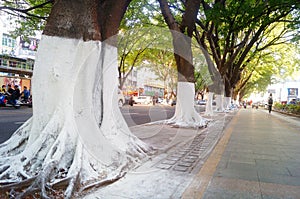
x=258, y=157
x=181, y=153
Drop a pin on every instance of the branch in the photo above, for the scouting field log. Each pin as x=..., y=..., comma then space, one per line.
x=26, y=11
x=168, y=16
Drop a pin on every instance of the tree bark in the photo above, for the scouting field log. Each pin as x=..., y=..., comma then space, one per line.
x=182, y=35
x=185, y=113
x=86, y=19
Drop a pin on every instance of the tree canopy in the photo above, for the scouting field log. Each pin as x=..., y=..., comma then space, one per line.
x=30, y=15
x=232, y=32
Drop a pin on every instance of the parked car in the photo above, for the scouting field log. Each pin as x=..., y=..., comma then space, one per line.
x=201, y=102
x=142, y=100
x=255, y=105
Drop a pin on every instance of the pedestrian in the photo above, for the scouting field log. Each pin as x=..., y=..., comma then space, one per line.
x=270, y=103
x=9, y=93
x=10, y=90
x=15, y=95
x=3, y=89
x=25, y=94
x=131, y=101
x=153, y=100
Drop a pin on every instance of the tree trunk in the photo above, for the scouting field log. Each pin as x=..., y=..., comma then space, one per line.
x=228, y=88
x=185, y=113
x=208, y=108
x=219, y=103
x=77, y=133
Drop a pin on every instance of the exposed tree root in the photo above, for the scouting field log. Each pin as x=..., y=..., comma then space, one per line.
x=103, y=182
x=17, y=185
x=60, y=162
x=191, y=122
x=79, y=139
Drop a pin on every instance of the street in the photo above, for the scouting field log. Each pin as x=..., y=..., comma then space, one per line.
x=11, y=119
x=139, y=114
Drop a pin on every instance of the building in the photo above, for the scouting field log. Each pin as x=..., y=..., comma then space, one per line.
x=142, y=81
x=16, y=55
x=286, y=90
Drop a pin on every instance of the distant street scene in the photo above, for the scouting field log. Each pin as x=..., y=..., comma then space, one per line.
x=11, y=119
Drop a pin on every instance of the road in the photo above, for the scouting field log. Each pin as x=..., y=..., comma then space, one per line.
x=139, y=114
x=11, y=119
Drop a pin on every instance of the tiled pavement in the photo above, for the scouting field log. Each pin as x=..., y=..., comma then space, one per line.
x=258, y=157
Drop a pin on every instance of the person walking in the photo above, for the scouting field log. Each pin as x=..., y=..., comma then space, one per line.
x=270, y=103
x=25, y=94
x=131, y=101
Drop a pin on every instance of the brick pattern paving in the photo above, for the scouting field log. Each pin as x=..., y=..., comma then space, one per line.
x=194, y=153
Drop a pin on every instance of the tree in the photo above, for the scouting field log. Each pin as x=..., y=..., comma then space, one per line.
x=77, y=137
x=162, y=63
x=231, y=29
x=275, y=64
x=132, y=46
x=182, y=30
x=29, y=15
x=136, y=35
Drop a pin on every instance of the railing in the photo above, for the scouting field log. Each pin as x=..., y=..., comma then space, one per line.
x=16, y=65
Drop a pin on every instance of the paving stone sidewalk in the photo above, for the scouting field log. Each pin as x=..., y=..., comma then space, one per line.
x=258, y=157
x=180, y=154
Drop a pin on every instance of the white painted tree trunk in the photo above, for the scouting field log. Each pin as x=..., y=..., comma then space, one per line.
x=76, y=123
x=185, y=113
x=209, y=108
x=219, y=103
x=227, y=103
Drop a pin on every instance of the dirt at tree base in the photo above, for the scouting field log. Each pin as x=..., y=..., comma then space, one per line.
x=57, y=194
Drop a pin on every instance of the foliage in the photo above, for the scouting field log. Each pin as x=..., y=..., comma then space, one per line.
x=139, y=34
x=269, y=66
x=237, y=33
x=289, y=108
x=202, y=75
x=142, y=13
x=30, y=15
x=162, y=63
x=131, y=49
x=234, y=32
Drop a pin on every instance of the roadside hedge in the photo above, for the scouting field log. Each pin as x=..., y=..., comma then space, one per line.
x=289, y=108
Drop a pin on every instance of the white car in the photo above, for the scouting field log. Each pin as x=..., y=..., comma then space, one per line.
x=142, y=100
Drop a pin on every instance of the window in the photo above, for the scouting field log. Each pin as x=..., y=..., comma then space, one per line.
x=8, y=41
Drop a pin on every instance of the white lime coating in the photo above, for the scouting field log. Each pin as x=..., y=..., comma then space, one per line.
x=185, y=113
x=76, y=124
